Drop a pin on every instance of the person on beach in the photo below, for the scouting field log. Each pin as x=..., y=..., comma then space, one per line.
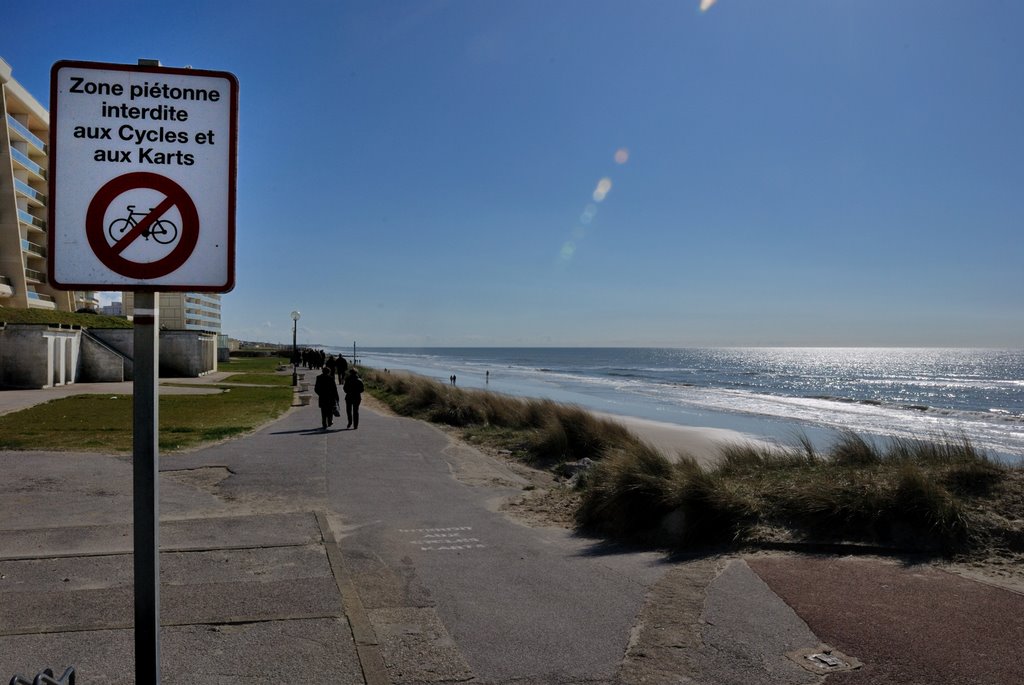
x=353, y=388
x=327, y=397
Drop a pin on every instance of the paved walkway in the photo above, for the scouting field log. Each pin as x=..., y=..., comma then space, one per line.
x=288, y=555
x=16, y=400
x=907, y=623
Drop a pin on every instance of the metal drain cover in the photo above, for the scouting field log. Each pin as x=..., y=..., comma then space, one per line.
x=824, y=659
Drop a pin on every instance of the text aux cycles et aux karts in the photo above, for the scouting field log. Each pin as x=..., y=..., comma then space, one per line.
x=139, y=135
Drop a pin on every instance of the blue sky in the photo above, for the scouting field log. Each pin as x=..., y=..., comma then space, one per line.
x=793, y=172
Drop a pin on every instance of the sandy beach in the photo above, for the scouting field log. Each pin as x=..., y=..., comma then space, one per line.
x=672, y=439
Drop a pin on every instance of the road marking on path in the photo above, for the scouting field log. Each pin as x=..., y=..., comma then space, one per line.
x=451, y=539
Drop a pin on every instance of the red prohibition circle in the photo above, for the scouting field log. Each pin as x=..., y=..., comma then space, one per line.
x=110, y=255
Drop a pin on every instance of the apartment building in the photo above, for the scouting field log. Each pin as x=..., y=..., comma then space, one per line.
x=24, y=130
x=183, y=311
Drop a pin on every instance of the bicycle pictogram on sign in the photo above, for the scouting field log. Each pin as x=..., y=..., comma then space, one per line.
x=109, y=241
x=162, y=231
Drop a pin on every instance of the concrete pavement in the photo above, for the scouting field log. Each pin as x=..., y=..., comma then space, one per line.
x=380, y=555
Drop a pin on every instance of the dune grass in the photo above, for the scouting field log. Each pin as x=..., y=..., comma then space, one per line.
x=923, y=496
x=940, y=497
x=539, y=432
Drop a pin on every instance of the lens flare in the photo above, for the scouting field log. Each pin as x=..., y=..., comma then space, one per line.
x=589, y=212
x=621, y=155
x=603, y=186
x=705, y=5
x=568, y=250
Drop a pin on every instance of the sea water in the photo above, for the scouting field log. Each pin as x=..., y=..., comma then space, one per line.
x=773, y=393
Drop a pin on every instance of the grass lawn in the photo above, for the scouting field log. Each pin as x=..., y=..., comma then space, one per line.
x=256, y=370
x=103, y=423
x=260, y=379
x=53, y=317
x=253, y=364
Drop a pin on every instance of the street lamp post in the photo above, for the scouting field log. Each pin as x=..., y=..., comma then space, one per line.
x=295, y=350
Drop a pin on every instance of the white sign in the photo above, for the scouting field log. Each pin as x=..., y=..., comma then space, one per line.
x=142, y=177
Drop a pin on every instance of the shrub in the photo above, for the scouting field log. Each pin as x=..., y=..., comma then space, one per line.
x=500, y=410
x=738, y=459
x=925, y=512
x=421, y=395
x=570, y=433
x=536, y=413
x=704, y=509
x=975, y=478
x=453, y=408
x=627, y=494
x=853, y=450
x=841, y=508
x=936, y=453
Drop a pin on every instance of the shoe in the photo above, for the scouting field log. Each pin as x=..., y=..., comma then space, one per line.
x=348, y=426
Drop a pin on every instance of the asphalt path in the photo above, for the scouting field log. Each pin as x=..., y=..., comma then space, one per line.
x=452, y=589
x=455, y=589
x=381, y=555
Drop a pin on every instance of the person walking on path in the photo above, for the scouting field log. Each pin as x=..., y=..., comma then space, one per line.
x=341, y=368
x=353, y=388
x=327, y=396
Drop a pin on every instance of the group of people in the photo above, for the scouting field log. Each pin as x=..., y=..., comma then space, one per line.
x=311, y=359
x=317, y=360
x=328, y=397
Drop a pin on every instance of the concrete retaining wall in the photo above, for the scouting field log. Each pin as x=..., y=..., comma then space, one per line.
x=23, y=357
x=183, y=354
x=40, y=356
x=100, y=363
x=187, y=354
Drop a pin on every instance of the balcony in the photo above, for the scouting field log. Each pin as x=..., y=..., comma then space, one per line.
x=22, y=160
x=33, y=249
x=41, y=301
x=89, y=302
x=33, y=276
x=26, y=135
x=33, y=221
x=33, y=195
x=6, y=287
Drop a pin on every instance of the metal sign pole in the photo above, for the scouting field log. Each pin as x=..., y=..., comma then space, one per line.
x=146, y=491
x=93, y=199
